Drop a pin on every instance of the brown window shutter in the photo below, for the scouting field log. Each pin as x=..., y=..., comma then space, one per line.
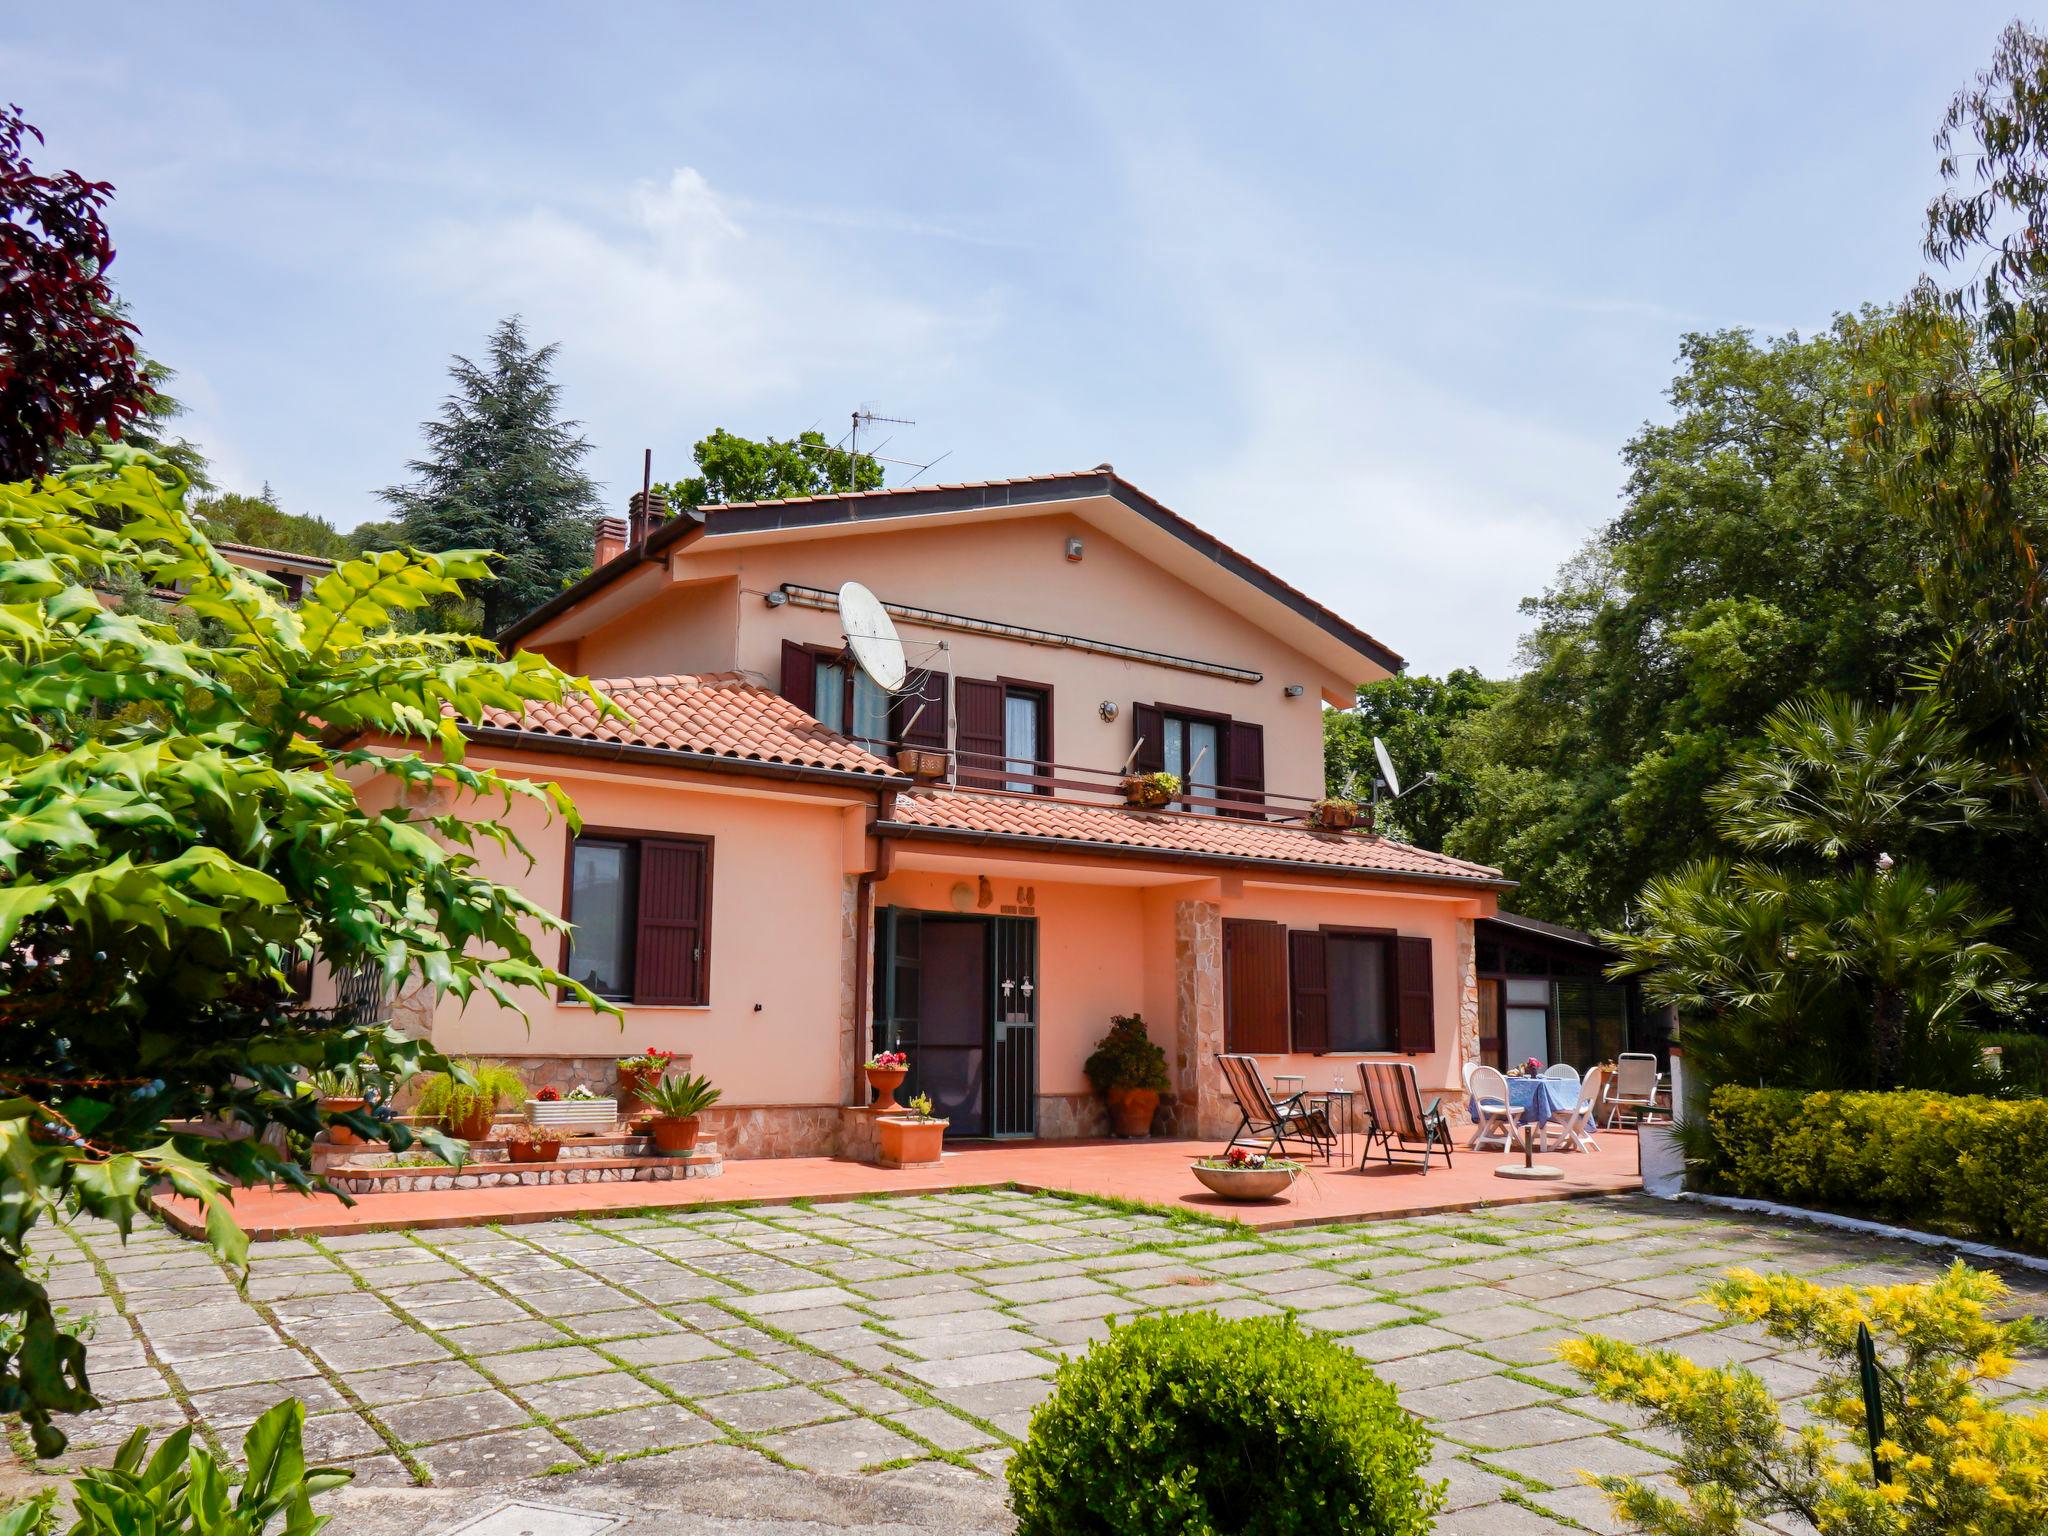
x=921, y=711
x=1308, y=975
x=1149, y=727
x=672, y=949
x=978, y=710
x=800, y=677
x=1254, y=986
x=1245, y=763
x=1415, y=996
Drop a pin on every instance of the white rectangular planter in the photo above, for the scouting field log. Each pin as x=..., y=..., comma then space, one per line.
x=573, y=1114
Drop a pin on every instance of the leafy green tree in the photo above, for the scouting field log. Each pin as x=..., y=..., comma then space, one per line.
x=1824, y=932
x=1414, y=716
x=372, y=537
x=732, y=468
x=240, y=519
x=1752, y=560
x=158, y=881
x=503, y=471
x=151, y=429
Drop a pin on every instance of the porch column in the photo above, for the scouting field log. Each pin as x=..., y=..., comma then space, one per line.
x=853, y=1008
x=1201, y=1106
x=1468, y=997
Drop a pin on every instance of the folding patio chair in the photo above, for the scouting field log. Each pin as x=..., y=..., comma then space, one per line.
x=1269, y=1124
x=1492, y=1114
x=1563, y=1072
x=1396, y=1117
x=1635, y=1086
x=1575, y=1127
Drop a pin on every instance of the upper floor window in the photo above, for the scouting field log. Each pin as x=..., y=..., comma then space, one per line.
x=1216, y=758
x=841, y=696
x=1004, y=731
x=1194, y=752
x=641, y=910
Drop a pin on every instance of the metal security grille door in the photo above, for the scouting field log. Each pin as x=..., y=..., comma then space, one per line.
x=1013, y=1084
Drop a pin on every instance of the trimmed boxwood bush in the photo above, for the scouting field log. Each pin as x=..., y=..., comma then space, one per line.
x=1194, y=1425
x=1965, y=1166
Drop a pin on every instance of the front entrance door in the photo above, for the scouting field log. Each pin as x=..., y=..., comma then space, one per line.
x=953, y=1023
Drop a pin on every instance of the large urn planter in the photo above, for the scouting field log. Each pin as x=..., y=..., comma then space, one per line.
x=886, y=1071
x=341, y=1135
x=1131, y=1110
x=1259, y=1179
x=675, y=1136
x=909, y=1142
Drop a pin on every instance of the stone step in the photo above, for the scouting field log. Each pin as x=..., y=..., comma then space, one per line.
x=368, y=1178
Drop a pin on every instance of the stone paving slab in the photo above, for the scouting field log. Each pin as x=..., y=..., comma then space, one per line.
x=910, y=1340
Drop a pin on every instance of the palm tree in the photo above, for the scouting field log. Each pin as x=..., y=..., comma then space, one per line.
x=1834, y=935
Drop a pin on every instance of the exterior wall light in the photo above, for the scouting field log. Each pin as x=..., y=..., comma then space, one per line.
x=1107, y=709
x=1075, y=549
x=1294, y=690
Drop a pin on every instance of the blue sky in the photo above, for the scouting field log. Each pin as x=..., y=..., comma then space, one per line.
x=1374, y=293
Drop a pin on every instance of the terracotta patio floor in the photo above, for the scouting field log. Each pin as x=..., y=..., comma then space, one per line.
x=1155, y=1172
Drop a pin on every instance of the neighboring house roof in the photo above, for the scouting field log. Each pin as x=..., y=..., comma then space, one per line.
x=1555, y=932
x=1038, y=820
x=291, y=556
x=966, y=496
x=715, y=714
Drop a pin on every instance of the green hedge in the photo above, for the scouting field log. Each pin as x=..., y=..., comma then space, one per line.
x=1194, y=1425
x=1963, y=1166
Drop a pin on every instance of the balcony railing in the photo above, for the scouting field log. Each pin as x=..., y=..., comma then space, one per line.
x=985, y=773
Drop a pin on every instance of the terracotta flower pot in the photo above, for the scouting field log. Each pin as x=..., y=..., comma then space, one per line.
x=673, y=1137
x=341, y=1135
x=885, y=1081
x=632, y=1082
x=908, y=1142
x=1131, y=1110
x=1145, y=794
x=477, y=1125
x=1337, y=818
x=922, y=763
x=1248, y=1183
x=533, y=1151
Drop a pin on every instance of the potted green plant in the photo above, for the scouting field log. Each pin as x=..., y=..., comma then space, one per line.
x=1150, y=791
x=675, y=1103
x=886, y=1071
x=911, y=1137
x=1129, y=1071
x=1333, y=813
x=532, y=1143
x=340, y=1090
x=639, y=1073
x=467, y=1109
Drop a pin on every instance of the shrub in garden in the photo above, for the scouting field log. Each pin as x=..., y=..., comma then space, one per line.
x=1194, y=1425
x=1947, y=1462
x=490, y=1086
x=1965, y=1165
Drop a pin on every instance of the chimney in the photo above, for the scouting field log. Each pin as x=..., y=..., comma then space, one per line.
x=645, y=512
x=611, y=541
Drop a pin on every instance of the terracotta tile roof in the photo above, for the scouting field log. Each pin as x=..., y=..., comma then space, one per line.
x=711, y=510
x=720, y=714
x=274, y=554
x=1106, y=826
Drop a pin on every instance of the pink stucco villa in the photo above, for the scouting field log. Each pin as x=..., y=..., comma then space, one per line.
x=763, y=887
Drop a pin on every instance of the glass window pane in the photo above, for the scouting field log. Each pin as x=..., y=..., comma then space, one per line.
x=601, y=906
x=1358, y=993
x=1531, y=990
x=1202, y=762
x=1175, y=754
x=1020, y=738
x=831, y=695
x=1528, y=1036
x=870, y=714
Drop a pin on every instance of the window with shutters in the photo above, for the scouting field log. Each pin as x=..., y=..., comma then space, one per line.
x=845, y=699
x=1360, y=1015
x=1359, y=990
x=640, y=910
x=1004, y=734
x=1216, y=758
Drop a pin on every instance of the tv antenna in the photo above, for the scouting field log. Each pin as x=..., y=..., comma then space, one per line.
x=871, y=637
x=870, y=419
x=1390, y=778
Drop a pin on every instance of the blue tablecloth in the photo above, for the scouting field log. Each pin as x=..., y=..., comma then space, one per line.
x=1538, y=1098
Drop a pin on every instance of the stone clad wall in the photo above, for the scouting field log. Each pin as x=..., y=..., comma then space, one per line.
x=1070, y=1116
x=1202, y=1106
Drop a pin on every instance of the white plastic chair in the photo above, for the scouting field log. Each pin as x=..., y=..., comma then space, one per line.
x=1635, y=1085
x=1575, y=1127
x=1492, y=1114
x=1563, y=1072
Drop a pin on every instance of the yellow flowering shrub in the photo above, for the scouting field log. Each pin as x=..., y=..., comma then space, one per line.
x=1955, y=1464
x=1961, y=1164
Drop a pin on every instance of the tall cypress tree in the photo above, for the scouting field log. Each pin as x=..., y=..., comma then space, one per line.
x=503, y=472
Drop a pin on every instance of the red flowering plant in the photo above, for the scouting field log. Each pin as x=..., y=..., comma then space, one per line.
x=1244, y=1157
x=885, y=1061
x=548, y=1095
x=653, y=1059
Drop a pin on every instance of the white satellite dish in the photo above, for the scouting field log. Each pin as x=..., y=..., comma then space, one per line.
x=1379, y=750
x=871, y=637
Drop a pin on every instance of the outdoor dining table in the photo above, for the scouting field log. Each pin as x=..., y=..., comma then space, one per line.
x=1538, y=1098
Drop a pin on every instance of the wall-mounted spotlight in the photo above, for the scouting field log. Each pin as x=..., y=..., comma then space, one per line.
x=776, y=599
x=1294, y=690
x=1075, y=549
x=1107, y=709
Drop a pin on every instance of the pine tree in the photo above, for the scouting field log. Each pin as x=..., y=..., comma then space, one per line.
x=503, y=472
